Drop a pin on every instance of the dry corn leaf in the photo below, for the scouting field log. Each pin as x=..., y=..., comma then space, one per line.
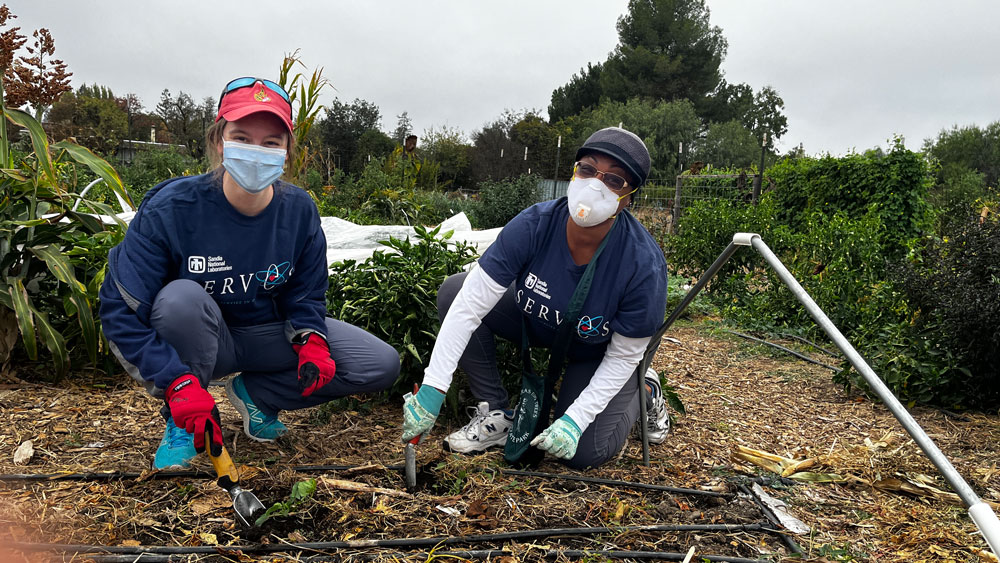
x=813, y=477
x=799, y=466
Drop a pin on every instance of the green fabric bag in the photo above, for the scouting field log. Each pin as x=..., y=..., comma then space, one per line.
x=531, y=417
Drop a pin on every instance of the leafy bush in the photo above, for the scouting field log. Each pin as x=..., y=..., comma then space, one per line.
x=677, y=289
x=708, y=227
x=958, y=191
x=393, y=295
x=501, y=201
x=894, y=185
x=954, y=291
x=52, y=258
x=152, y=167
x=436, y=207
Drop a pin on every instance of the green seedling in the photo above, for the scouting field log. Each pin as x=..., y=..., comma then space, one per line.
x=300, y=492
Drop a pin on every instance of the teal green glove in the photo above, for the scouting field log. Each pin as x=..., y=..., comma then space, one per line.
x=560, y=439
x=420, y=411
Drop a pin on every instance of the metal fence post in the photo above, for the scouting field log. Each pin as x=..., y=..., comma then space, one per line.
x=677, y=205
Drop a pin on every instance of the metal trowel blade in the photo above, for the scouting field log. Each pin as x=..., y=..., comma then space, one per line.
x=247, y=506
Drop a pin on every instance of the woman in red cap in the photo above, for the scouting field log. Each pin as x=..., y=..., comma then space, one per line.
x=577, y=275
x=226, y=272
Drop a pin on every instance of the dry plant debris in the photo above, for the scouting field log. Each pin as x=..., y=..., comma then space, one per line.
x=890, y=504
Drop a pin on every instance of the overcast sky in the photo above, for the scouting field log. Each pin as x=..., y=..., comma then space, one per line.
x=852, y=73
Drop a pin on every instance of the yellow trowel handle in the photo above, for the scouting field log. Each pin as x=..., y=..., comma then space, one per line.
x=223, y=463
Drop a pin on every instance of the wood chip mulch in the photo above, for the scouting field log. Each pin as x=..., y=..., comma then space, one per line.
x=737, y=394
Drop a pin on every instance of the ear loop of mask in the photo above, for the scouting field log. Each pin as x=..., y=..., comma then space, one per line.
x=615, y=216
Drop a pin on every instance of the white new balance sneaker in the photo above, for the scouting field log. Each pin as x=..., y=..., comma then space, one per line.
x=657, y=417
x=487, y=429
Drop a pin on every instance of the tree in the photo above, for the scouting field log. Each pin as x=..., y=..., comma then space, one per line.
x=726, y=103
x=494, y=155
x=91, y=116
x=37, y=79
x=541, y=139
x=372, y=144
x=765, y=118
x=132, y=106
x=728, y=144
x=667, y=50
x=343, y=126
x=583, y=91
x=404, y=126
x=184, y=120
x=968, y=148
x=452, y=151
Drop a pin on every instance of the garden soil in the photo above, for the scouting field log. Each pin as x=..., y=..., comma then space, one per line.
x=887, y=502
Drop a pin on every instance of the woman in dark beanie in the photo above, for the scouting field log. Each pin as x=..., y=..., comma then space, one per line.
x=578, y=275
x=226, y=272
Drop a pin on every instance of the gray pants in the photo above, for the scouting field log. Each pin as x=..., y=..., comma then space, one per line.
x=190, y=320
x=603, y=439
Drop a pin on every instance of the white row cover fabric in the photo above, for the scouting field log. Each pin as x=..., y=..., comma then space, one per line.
x=348, y=241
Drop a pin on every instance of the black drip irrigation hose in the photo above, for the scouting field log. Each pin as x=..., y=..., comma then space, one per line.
x=472, y=554
x=126, y=475
x=134, y=475
x=367, y=544
x=813, y=344
x=665, y=556
x=786, y=350
x=629, y=484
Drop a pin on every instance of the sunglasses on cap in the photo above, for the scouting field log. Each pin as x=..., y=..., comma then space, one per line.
x=246, y=81
x=613, y=181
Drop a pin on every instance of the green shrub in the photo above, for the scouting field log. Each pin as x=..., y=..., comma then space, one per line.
x=152, y=167
x=436, y=207
x=954, y=291
x=708, y=227
x=52, y=258
x=393, y=295
x=501, y=201
x=958, y=192
x=894, y=185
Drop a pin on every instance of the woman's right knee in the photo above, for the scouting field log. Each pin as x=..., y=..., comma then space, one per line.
x=448, y=291
x=180, y=303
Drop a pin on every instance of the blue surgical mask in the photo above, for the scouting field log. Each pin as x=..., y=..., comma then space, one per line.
x=253, y=167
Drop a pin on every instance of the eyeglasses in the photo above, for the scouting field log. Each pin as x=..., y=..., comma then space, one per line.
x=613, y=181
x=238, y=83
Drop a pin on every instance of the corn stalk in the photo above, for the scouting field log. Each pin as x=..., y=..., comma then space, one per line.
x=304, y=95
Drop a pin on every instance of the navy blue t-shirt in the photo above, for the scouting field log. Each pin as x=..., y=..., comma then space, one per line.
x=628, y=295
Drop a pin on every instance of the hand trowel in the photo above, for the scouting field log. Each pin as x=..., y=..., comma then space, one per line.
x=247, y=506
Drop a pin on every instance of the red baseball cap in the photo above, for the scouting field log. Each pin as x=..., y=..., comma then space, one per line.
x=244, y=96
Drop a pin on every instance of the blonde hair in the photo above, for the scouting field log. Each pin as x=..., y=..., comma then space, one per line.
x=213, y=139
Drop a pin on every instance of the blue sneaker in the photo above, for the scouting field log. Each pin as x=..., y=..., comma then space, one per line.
x=256, y=424
x=176, y=448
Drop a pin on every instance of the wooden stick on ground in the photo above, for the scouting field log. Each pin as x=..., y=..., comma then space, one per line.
x=361, y=487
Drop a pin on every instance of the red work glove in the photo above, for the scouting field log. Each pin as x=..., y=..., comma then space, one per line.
x=194, y=410
x=316, y=367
